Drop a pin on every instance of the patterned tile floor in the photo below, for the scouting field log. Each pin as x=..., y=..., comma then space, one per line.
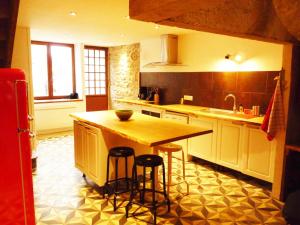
x=62, y=196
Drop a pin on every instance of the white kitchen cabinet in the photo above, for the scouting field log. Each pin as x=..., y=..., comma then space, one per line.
x=259, y=154
x=204, y=146
x=230, y=144
x=178, y=118
x=89, y=156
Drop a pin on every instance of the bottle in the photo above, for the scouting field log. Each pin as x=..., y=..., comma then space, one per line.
x=156, y=98
x=181, y=101
x=255, y=110
x=241, y=108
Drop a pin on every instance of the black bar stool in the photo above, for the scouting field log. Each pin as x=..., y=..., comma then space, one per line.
x=291, y=208
x=117, y=152
x=145, y=161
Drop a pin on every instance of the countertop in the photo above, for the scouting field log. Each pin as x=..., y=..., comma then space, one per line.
x=199, y=111
x=140, y=128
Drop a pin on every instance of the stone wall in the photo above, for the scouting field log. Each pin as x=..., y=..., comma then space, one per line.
x=124, y=65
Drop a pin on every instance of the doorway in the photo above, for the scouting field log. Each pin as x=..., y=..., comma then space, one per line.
x=95, y=75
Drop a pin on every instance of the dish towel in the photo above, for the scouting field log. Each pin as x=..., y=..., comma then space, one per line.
x=274, y=118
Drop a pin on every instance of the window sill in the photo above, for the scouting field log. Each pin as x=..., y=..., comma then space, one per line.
x=56, y=101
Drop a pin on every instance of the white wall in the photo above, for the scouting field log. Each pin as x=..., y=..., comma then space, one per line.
x=21, y=59
x=201, y=51
x=54, y=117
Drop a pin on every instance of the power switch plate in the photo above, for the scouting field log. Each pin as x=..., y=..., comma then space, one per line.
x=188, y=97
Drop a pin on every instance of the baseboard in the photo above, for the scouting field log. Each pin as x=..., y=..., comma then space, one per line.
x=41, y=134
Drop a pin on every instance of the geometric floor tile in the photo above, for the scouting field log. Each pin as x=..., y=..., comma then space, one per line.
x=216, y=196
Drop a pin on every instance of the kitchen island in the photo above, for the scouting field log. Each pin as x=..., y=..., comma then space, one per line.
x=96, y=132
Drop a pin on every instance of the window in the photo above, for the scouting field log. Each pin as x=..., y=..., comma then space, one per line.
x=52, y=70
x=95, y=70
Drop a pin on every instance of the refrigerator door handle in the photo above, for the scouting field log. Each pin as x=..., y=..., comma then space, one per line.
x=30, y=118
x=31, y=134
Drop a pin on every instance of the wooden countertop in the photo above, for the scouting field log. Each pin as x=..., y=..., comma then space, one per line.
x=196, y=111
x=140, y=128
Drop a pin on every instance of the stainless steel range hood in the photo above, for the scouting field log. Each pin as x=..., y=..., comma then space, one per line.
x=169, y=50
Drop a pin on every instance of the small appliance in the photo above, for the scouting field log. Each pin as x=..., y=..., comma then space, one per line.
x=147, y=93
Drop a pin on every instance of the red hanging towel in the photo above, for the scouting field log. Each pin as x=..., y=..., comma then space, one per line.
x=273, y=120
x=266, y=121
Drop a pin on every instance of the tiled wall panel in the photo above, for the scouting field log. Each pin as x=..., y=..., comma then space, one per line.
x=210, y=88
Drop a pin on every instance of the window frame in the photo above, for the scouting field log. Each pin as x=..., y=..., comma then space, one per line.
x=49, y=63
x=106, y=68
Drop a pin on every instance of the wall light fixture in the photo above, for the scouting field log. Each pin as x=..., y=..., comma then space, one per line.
x=238, y=58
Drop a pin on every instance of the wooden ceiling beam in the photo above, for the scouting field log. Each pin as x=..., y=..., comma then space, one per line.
x=158, y=10
x=267, y=20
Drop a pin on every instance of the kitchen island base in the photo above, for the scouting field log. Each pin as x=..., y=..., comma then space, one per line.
x=92, y=145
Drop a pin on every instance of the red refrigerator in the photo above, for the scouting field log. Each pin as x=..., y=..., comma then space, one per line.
x=16, y=190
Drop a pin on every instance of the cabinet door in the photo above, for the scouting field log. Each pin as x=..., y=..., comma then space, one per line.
x=229, y=147
x=79, y=146
x=92, y=152
x=259, y=154
x=204, y=146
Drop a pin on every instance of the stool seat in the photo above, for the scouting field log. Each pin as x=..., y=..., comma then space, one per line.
x=121, y=152
x=148, y=160
x=169, y=147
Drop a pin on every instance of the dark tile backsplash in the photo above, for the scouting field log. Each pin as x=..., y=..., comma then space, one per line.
x=210, y=88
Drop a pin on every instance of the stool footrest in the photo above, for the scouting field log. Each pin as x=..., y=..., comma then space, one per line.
x=150, y=190
x=122, y=186
x=149, y=204
x=119, y=179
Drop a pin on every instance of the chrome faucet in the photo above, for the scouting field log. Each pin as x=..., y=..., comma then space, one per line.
x=234, y=101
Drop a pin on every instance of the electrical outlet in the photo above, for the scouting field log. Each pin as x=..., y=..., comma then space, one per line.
x=188, y=97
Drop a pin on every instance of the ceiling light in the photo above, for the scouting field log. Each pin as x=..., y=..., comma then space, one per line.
x=72, y=13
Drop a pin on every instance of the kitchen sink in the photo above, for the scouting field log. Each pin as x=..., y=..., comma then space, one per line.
x=227, y=113
x=217, y=111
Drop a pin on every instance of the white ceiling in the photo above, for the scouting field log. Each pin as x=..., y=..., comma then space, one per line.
x=98, y=22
